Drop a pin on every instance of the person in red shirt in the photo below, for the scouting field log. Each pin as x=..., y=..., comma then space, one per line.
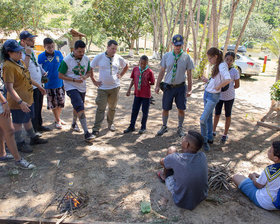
x=142, y=79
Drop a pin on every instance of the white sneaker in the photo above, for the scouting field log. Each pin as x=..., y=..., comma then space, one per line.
x=75, y=127
x=112, y=127
x=22, y=163
x=58, y=125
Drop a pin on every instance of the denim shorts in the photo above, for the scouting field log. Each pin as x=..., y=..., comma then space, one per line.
x=77, y=99
x=249, y=189
x=20, y=117
x=177, y=93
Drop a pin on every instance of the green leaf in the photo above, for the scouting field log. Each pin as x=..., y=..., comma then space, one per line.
x=145, y=207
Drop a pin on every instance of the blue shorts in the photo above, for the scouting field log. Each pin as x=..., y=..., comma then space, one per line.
x=177, y=93
x=249, y=189
x=77, y=99
x=20, y=117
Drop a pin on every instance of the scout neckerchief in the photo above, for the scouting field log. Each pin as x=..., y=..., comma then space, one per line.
x=23, y=71
x=175, y=64
x=111, y=62
x=78, y=69
x=140, y=76
x=49, y=57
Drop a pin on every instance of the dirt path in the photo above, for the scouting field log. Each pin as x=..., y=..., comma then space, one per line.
x=118, y=171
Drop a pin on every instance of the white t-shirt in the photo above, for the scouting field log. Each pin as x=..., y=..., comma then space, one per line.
x=35, y=69
x=108, y=78
x=218, y=79
x=271, y=180
x=230, y=93
x=74, y=68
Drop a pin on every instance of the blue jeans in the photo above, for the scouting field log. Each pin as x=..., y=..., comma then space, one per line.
x=138, y=101
x=206, y=119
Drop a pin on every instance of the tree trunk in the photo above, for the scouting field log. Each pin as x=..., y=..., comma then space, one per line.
x=193, y=31
x=218, y=19
x=161, y=31
x=215, y=27
x=197, y=18
x=187, y=32
x=182, y=19
x=137, y=46
x=153, y=14
x=244, y=25
x=278, y=70
x=210, y=31
x=131, y=50
x=204, y=30
x=233, y=9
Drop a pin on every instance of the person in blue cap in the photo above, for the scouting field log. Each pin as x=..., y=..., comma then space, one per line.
x=174, y=66
x=20, y=94
x=27, y=40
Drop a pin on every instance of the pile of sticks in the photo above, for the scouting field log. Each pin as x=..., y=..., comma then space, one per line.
x=219, y=177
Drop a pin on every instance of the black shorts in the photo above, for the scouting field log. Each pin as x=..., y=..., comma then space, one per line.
x=228, y=107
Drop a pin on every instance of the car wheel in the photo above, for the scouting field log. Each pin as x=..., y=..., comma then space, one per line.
x=239, y=71
x=247, y=76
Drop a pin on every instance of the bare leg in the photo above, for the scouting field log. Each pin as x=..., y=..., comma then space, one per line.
x=227, y=125
x=216, y=121
x=56, y=112
x=237, y=179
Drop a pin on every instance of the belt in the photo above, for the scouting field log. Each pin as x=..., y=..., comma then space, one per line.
x=177, y=85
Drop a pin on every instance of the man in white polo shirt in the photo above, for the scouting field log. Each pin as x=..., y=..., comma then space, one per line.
x=111, y=68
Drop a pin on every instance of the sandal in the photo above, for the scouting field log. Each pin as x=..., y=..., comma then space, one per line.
x=7, y=157
x=161, y=178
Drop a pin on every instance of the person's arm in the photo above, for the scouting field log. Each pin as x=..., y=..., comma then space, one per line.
x=236, y=83
x=41, y=89
x=66, y=78
x=129, y=88
x=189, y=75
x=5, y=106
x=123, y=71
x=28, y=53
x=253, y=177
x=159, y=79
x=96, y=83
x=223, y=69
x=152, y=79
x=23, y=105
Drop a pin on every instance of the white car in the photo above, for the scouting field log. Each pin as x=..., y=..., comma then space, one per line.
x=247, y=66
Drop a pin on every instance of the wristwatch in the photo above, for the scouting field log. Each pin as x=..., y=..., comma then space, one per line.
x=19, y=102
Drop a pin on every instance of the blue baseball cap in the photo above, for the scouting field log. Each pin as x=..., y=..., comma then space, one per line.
x=178, y=40
x=25, y=34
x=12, y=45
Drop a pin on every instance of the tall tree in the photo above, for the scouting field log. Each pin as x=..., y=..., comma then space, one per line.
x=182, y=19
x=244, y=25
x=215, y=21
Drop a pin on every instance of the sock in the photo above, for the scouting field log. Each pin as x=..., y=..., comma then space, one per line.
x=31, y=133
x=181, y=120
x=83, y=122
x=18, y=136
x=164, y=120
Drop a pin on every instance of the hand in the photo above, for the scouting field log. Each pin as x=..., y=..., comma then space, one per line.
x=204, y=79
x=189, y=93
x=218, y=88
x=97, y=83
x=80, y=80
x=42, y=90
x=157, y=89
x=253, y=176
x=25, y=107
x=119, y=76
x=28, y=50
x=7, y=111
x=128, y=92
x=83, y=77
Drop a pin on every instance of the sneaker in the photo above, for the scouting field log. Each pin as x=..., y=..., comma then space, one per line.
x=214, y=134
x=7, y=157
x=112, y=127
x=36, y=141
x=129, y=129
x=162, y=130
x=141, y=131
x=58, y=125
x=224, y=139
x=206, y=147
x=180, y=132
x=38, y=134
x=75, y=127
x=23, y=147
x=95, y=133
x=89, y=137
x=62, y=122
x=43, y=129
x=22, y=163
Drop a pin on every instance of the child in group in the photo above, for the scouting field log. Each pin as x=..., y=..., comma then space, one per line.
x=263, y=190
x=186, y=173
x=220, y=77
x=50, y=60
x=227, y=97
x=142, y=79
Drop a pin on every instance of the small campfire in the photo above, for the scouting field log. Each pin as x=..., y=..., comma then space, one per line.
x=71, y=202
x=219, y=177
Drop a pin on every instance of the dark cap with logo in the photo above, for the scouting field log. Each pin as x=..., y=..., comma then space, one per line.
x=25, y=34
x=177, y=40
x=12, y=45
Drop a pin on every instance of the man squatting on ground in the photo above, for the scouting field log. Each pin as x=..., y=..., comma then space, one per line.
x=111, y=68
x=74, y=70
x=27, y=40
x=175, y=63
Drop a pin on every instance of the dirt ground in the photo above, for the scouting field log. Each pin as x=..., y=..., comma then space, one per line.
x=118, y=171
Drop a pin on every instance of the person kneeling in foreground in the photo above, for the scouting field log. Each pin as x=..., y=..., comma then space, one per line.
x=186, y=172
x=263, y=190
